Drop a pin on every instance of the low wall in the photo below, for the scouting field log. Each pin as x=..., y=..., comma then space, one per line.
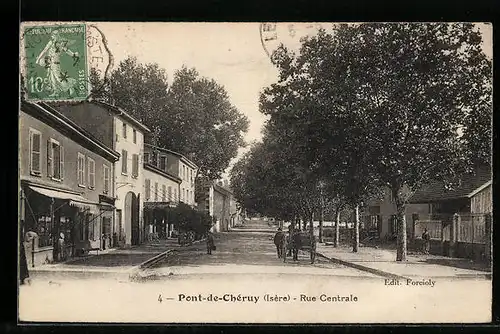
x=38, y=257
x=476, y=252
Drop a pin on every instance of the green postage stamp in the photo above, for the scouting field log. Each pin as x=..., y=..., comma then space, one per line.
x=55, y=62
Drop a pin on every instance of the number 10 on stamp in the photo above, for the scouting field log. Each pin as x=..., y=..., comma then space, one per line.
x=55, y=62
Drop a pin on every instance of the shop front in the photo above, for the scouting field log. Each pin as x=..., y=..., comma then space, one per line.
x=64, y=222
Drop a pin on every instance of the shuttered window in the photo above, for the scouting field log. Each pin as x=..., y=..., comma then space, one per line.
x=147, y=185
x=91, y=173
x=106, y=177
x=124, y=161
x=135, y=165
x=35, y=151
x=55, y=160
x=81, y=170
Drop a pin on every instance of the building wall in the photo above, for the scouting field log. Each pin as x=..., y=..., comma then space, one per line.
x=386, y=208
x=93, y=118
x=222, y=209
x=177, y=166
x=71, y=150
x=126, y=183
x=161, y=180
x=187, y=187
x=482, y=201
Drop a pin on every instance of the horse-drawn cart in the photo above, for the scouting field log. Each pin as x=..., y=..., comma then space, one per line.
x=299, y=241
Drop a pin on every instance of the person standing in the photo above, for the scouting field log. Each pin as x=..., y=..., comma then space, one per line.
x=427, y=241
x=210, y=243
x=279, y=239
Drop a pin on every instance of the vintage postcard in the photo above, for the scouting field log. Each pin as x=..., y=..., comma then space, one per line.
x=265, y=172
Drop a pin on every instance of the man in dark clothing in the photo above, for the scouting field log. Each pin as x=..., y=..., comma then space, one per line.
x=210, y=243
x=279, y=240
x=296, y=244
x=427, y=243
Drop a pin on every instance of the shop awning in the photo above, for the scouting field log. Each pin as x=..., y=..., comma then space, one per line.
x=74, y=199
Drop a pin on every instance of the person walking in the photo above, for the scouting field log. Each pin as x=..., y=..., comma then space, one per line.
x=210, y=243
x=427, y=243
x=279, y=239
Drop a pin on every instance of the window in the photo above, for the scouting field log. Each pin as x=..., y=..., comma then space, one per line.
x=135, y=165
x=164, y=192
x=55, y=160
x=124, y=130
x=124, y=162
x=163, y=162
x=106, y=170
x=183, y=172
x=183, y=194
x=134, y=136
x=81, y=170
x=44, y=230
x=175, y=194
x=169, y=193
x=91, y=224
x=191, y=172
x=147, y=185
x=156, y=191
x=146, y=157
x=35, y=152
x=91, y=173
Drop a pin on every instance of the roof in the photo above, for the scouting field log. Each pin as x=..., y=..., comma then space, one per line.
x=166, y=150
x=166, y=174
x=48, y=112
x=469, y=185
x=222, y=189
x=119, y=111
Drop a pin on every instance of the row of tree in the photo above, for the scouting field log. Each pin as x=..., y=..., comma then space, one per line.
x=365, y=109
x=192, y=116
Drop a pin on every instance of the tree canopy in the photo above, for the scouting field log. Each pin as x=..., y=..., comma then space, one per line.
x=375, y=106
x=193, y=116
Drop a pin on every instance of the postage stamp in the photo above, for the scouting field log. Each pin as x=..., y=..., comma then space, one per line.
x=56, y=62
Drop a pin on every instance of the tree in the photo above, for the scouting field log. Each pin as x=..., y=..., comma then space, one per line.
x=193, y=116
x=386, y=102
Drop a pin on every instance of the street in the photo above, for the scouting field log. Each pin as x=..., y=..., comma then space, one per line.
x=248, y=250
x=248, y=279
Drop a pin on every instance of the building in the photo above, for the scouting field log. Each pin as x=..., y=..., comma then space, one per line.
x=459, y=221
x=217, y=203
x=379, y=214
x=161, y=189
x=66, y=185
x=473, y=194
x=124, y=134
x=177, y=165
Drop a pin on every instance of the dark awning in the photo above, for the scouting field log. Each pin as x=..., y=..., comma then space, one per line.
x=73, y=199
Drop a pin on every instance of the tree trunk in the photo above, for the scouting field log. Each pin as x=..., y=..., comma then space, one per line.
x=311, y=225
x=320, y=236
x=337, y=228
x=401, y=223
x=355, y=245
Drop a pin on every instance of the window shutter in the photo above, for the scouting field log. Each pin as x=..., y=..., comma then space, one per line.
x=49, y=158
x=61, y=162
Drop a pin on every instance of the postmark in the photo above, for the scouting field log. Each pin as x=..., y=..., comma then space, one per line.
x=57, y=60
x=273, y=34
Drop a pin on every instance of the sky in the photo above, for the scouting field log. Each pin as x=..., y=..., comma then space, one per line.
x=231, y=53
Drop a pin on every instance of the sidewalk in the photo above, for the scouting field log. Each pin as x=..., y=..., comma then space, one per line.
x=383, y=262
x=113, y=261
